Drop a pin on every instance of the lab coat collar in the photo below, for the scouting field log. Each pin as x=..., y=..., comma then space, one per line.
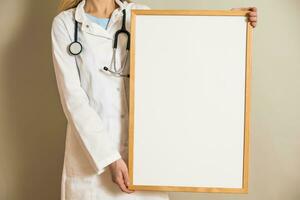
x=87, y=25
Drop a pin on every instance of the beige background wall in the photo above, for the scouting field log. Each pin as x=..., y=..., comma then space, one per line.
x=32, y=125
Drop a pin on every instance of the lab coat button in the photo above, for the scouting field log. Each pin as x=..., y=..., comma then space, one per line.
x=118, y=89
x=122, y=116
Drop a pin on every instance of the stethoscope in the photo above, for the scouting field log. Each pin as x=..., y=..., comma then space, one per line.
x=75, y=48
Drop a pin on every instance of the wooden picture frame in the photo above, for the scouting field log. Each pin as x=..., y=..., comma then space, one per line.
x=133, y=100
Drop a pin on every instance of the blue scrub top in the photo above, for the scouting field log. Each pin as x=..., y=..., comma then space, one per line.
x=100, y=21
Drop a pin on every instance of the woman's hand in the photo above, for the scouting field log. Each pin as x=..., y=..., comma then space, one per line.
x=252, y=16
x=119, y=173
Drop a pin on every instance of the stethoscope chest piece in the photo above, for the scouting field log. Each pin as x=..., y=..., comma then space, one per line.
x=75, y=48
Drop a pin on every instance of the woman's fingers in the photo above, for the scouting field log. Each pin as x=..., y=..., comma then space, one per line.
x=119, y=172
x=253, y=19
x=253, y=24
x=252, y=15
x=121, y=184
x=126, y=177
x=254, y=9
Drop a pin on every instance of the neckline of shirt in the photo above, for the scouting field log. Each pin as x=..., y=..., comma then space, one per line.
x=101, y=18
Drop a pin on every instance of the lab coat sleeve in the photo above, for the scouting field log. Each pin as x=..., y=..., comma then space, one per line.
x=88, y=125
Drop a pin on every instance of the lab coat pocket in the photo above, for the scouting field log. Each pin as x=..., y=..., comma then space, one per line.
x=79, y=188
x=77, y=160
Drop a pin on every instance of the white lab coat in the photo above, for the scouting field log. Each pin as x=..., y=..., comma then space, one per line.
x=95, y=106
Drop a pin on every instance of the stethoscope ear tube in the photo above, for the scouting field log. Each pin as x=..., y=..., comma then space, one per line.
x=122, y=30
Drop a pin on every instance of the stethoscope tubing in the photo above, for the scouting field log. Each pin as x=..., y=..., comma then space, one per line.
x=75, y=48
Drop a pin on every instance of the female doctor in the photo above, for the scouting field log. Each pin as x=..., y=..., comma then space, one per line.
x=92, y=80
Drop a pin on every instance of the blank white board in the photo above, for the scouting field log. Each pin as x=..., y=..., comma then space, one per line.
x=189, y=95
